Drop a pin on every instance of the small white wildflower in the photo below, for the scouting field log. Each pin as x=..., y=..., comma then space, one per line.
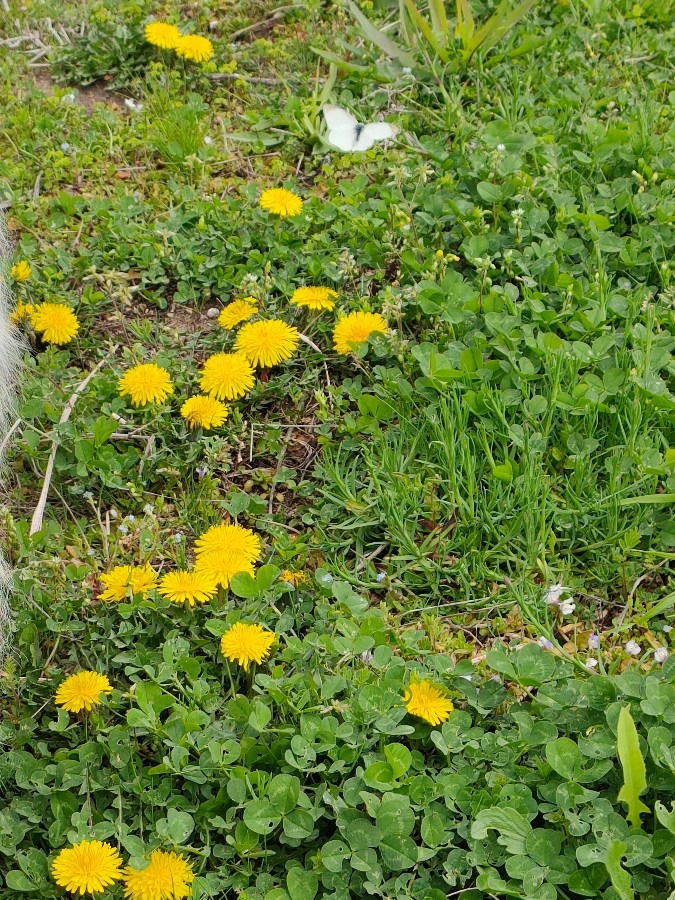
x=130, y=518
x=632, y=648
x=545, y=643
x=68, y=99
x=367, y=657
x=380, y=576
x=87, y=495
x=406, y=70
x=178, y=537
x=660, y=655
x=567, y=608
x=208, y=140
x=65, y=146
x=667, y=628
x=133, y=104
x=149, y=509
x=591, y=663
x=501, y=147
x=593, y=641
x=124, y=529
x=554, y=593
x=201, y=471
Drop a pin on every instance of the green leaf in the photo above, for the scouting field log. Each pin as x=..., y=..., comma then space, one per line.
x=512, y=828
x=17, y=881
x=180, y=825
x=398, y=851
x=244, y=585
x=301, y=884
x=399, y=758
x=260, y=816
x=619, y=876
x=395, y=815
x=633, y=765
x=333, y=855
x=379, y=38
x=260, y=716
x=283, y=793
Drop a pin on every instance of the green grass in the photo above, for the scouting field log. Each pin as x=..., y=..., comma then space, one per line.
x=513, y=431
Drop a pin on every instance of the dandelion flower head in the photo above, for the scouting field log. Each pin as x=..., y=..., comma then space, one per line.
x=227, y=376
x=187, y=587
x=162, y=35
x=314, y=297
x=124, y=579
x=82, y=691
x=355, y=328
x=87, y=868
x=229, y=537
x=20, y=312
x=281, y=202
x=146, y=383
x=203, y=412
x=245, y=644
x=57, y=322
x=267, y=343
x=222, y=565
x=20, y=271
x=426, y=701
x=166, y=877
x=238, y=311
x=195, y=48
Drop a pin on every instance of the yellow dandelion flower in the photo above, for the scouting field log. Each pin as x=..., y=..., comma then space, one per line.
x=20, y=312
x=205, y=412
x=281, y=202
x=238, y=311
x=195, y=48
x=246, y=644
x=426, y=701
x=162, y=35
x=147, y=383
x=82, y=691
x=292, y=578
x=267, y=343
x=87, y=868
x=57, y=322
x=166, y=877
x=122, y=580
x=230, y=538
x=355, y=328
x=187, y=587
x=222, y=565
x=314, y=297
x=20, y=271
x=227, y=376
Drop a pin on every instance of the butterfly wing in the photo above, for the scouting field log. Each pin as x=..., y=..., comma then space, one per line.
x=375, y=131
x=342, y=127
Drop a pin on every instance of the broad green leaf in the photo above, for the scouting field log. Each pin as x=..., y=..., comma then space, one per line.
x=260, y=816
x=283, y=793
x=398, y=851
x=301, y=884
x=399, y=758
x=333, y=855
x=633, y=765
x=512, y=828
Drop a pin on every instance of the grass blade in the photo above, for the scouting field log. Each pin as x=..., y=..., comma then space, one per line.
x=465, y=22
x=498, y=25
x=378, y=37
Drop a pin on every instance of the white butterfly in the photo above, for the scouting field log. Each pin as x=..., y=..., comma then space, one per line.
x=346, y=133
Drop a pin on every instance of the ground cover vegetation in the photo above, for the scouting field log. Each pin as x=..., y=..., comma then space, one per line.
x=340, y=499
